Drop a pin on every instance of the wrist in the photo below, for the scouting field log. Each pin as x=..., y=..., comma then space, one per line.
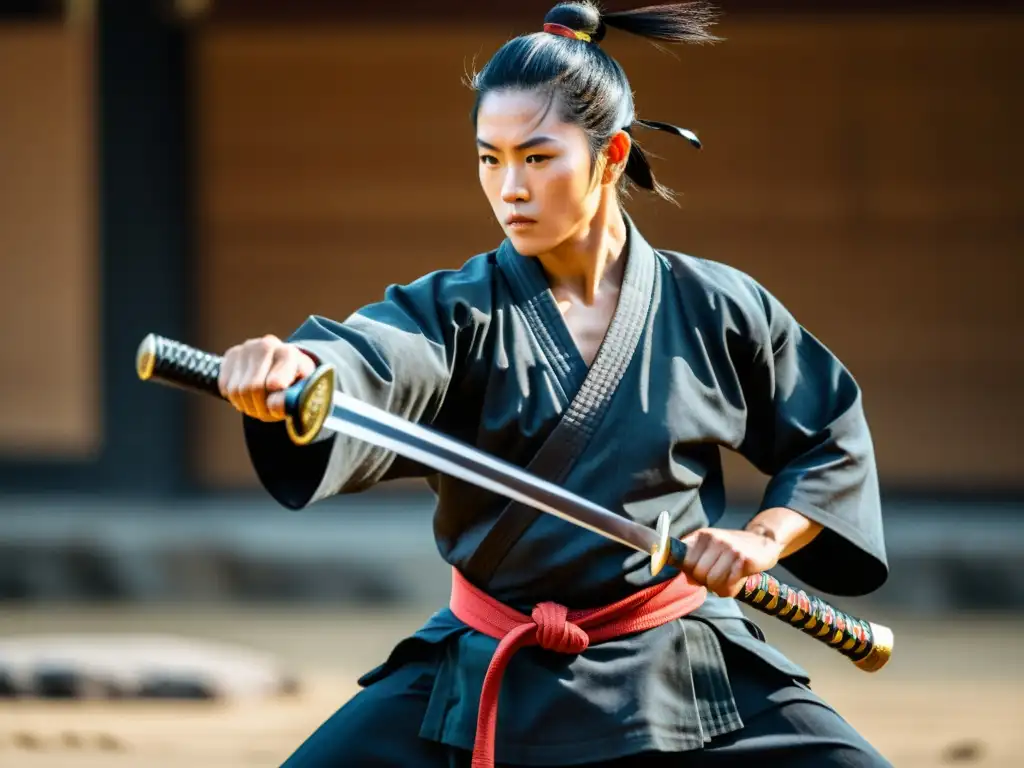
x=762, y=530
x=787, y=528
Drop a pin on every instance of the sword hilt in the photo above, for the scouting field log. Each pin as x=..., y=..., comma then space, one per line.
x=866, y=644
x=307, y=403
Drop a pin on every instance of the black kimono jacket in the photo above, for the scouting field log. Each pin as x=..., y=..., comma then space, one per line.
x=698, y=357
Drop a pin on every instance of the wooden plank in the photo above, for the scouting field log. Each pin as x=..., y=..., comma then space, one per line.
x=269, y=11
x=835, y=171
x=49, y=399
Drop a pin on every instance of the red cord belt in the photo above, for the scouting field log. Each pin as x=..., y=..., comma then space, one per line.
x=555, y=628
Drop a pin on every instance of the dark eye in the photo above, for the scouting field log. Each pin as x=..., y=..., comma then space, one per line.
x=537, y=158
x=488, y=160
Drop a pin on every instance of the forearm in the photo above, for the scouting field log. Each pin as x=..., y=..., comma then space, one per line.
x=791, y=530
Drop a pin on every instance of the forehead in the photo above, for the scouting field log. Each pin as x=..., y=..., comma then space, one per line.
x=515, y=115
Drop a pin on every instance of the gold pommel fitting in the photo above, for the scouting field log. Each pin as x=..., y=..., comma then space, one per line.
x=881, y=649
x=145, y=357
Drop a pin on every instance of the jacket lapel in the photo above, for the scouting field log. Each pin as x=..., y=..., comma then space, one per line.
x=594, y=388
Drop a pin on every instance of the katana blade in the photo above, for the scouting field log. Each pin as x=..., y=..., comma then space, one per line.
x=426, y=446
x=314, y=404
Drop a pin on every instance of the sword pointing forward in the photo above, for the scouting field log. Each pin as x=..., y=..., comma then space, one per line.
x=313, y=404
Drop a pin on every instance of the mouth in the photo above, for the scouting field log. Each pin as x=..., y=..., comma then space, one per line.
x=519, y=222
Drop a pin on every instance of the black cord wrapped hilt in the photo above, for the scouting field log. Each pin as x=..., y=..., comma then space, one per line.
x=172, y=362
x=166, y=361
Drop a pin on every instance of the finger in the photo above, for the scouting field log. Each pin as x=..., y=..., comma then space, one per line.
x=284, y=370
x=283, y=373
x=259, y=359
x=275, y=405
x=298, y=367
x=234, y=383
x=254, y=393
x=259, y=388
x=707, y=560
x=741, y=569
x=732, y=589
x=733, y=584
x=226, y=367
x=696, y=543
x=718, y=578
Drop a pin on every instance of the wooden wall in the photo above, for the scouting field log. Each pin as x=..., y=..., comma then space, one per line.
x=49, y=390
x=865, y=169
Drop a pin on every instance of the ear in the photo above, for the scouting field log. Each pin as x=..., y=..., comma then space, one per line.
x=615, y=155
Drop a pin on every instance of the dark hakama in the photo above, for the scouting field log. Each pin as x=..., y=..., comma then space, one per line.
x=699, y=357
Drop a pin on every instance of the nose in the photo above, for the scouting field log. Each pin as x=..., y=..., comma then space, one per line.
x=513, y=190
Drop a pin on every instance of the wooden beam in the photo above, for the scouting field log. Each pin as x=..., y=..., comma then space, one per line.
x=473, y=12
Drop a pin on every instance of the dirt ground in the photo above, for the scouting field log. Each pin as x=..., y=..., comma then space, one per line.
x=950, y=696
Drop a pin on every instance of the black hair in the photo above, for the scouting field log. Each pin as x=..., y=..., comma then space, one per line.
x=590, y=86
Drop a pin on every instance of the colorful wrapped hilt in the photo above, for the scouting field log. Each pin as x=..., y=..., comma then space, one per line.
x=868, y=645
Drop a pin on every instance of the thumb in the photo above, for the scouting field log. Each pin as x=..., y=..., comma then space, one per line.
x=291, y=366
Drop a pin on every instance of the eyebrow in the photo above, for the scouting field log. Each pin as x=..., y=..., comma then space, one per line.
x=529, y=143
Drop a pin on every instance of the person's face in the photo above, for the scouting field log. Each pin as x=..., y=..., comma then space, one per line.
x=535, y=169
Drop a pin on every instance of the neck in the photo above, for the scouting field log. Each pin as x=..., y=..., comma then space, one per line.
x=593, y=258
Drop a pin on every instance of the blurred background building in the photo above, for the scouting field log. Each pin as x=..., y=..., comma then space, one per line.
x=217, y=170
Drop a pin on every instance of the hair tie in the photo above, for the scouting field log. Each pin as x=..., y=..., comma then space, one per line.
x=563, y=31
x=655, y=125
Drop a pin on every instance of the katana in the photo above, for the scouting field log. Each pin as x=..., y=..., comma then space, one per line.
x=314, y=405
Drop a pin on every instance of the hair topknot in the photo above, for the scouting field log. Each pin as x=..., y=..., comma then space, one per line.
x=579, y=17
x=589, y=87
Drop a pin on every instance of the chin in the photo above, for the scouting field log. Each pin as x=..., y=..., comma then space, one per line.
x=529, y=245
x=525, y=246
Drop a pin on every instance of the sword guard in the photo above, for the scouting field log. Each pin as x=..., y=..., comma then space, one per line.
x=307, y=405
x=669, y=550
x=661, y=554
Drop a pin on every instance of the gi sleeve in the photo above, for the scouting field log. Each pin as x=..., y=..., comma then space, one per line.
x=397, y=354
x=806, y=429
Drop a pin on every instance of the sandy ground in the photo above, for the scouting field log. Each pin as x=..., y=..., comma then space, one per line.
x=951, y=695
